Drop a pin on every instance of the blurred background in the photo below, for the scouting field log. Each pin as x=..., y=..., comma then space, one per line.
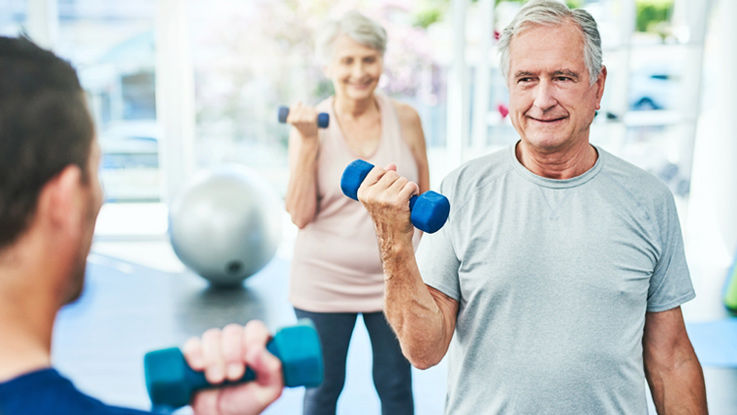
x=178, y=86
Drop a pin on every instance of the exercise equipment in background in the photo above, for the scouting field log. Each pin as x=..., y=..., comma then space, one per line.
x=323, y=118
x=171, y=382
x=730, y=294
x=428, y=211
x=715, y=342
x=225, y=225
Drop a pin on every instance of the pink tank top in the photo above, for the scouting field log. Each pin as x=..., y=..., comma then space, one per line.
x=336, y=265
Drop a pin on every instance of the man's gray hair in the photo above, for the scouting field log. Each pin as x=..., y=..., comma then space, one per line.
x=553, y=13
x=358, y=27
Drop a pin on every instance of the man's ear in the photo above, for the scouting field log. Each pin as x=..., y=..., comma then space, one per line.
x=60, y=201
x=600, y=82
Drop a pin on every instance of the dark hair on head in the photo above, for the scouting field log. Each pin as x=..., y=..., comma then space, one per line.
x=44, y=126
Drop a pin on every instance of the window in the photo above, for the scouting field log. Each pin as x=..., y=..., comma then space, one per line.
x=112, y=47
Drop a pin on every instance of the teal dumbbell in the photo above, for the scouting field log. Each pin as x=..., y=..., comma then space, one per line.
x=171, y=382
x=428, y=211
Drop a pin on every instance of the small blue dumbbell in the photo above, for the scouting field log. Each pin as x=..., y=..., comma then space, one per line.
x=323, y=118
x=171, y=382
x=428, y=211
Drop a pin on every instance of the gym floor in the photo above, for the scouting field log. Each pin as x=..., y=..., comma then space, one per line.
x=139, y=297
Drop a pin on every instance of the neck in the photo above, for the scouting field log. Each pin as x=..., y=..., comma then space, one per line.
x=23, y=349
x=353, y=108
x=559, y=163
x=27, y=311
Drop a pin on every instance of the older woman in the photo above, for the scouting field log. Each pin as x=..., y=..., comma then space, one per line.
x=336, y=270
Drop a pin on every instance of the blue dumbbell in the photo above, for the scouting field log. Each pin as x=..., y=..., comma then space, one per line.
x=171, y=382
x=323, y=118
x=428, y=211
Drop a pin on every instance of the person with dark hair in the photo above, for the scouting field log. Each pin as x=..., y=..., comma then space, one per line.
x=556, y=284
x=50, y=195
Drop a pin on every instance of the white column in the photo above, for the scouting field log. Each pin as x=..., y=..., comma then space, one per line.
x=690, y=20
x=712, y=212
x=174, y=97
x=43, y=22
x=482, y=83
x=457, y=127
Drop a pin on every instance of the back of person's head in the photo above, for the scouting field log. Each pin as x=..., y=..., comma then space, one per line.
x=554, y=13
x=356, y=26
x=44, y=126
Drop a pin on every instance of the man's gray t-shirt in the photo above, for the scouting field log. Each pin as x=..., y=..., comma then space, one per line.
x=553, y=279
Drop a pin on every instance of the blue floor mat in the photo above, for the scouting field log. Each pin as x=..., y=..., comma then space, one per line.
x=715, y=342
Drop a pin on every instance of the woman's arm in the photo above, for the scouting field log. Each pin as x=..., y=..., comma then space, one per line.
x=304, y=145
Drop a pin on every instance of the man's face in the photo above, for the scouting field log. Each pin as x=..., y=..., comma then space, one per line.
x=552, y=102
x=93, y=202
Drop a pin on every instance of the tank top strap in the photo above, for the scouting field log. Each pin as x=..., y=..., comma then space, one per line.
x=390, y=129
x=332, y=143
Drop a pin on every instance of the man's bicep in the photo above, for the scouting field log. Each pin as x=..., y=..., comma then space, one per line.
x=449, y=309
x=664, y=332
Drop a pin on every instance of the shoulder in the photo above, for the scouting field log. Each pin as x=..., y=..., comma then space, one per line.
x=52, y=393
x=633, y=179
x=407, y=116
x=477, y=173
x=409, y=123
x=405, y=112
x=637, y=191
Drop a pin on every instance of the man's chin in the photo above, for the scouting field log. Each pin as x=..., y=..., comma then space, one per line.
x=74, y=297
x=545, y=142
x=76, y=290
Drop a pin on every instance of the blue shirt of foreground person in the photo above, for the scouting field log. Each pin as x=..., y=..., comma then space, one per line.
x=50, y=195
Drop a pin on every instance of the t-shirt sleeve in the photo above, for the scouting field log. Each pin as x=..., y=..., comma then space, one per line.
x=436, y=258
x=670, y=284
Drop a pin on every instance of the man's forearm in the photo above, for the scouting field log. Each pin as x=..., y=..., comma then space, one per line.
x=411, y=309
x=679, y=389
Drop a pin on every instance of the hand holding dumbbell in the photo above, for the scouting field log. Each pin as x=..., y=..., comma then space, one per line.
x=322, y=120
x=171, y=382
x=428, y=211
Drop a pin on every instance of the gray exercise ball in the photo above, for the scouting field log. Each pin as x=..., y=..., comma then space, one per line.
x=225, y=225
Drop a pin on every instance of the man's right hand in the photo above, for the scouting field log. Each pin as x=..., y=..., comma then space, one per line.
x=385, y=195
x=224, y=355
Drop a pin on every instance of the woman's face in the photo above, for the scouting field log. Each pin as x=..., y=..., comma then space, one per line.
x=354, y=68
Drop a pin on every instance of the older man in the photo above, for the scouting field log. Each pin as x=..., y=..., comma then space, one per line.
x=49, y=199
x=556, y=285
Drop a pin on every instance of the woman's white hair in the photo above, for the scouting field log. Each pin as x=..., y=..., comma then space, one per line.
x=358, y=27
x=553, y=13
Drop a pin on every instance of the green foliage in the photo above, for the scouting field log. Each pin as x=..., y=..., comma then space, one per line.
x=426, y=17
x=652, y=14
x=430, y=12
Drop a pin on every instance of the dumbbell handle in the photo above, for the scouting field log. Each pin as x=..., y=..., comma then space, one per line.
x=323, y=118
x=428, y=211
x=170, y=381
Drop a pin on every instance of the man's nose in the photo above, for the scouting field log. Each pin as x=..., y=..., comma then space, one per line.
x=544, y=95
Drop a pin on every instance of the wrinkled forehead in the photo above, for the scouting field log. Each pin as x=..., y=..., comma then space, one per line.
x=542, y=44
